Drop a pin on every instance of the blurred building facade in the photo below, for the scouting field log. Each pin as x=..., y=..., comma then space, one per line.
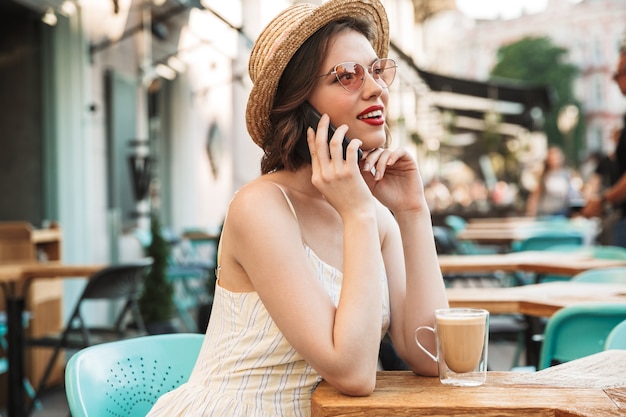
x=592, y=30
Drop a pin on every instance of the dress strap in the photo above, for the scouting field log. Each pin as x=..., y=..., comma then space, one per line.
x=282, y=190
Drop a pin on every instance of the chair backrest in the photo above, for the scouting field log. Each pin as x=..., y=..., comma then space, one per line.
x=445, y=241
x=617, y=337
x=456, y=223
x=614, y=275
x=126, y=377
x=117, y=281
x=548, y=239
x=113, y=283
x=579, y=330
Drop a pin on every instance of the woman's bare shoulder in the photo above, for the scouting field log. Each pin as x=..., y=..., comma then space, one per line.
x=259, y=191
x=261, y=200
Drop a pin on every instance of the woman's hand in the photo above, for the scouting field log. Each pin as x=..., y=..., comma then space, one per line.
x=337, y=179
x=593, y=208
x=394, y=179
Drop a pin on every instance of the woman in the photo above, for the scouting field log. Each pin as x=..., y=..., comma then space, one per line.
x=319, y=260
x=555, y=193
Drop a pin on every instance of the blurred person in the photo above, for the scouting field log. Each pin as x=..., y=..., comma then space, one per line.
x=555, y=189
x=615, y=195
x=325, y=252
x=461, y=195
x=479, y=194
x=603, y=174
x=438, y=196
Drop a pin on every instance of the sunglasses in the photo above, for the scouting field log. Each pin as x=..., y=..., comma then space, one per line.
x=351, y=75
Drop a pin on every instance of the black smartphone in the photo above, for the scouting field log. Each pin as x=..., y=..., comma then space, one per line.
x=313, y=119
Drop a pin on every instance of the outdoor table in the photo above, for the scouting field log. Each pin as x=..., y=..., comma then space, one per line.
x=15, y=279
x=537, y=300
x=508, y=230
x=541, y=262
x=590, y=386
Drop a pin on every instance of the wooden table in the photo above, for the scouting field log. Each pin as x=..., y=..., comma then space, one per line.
x=505, y=231
x=537, y=300
x=542, y=262
x=15, y=280
x=591, y=386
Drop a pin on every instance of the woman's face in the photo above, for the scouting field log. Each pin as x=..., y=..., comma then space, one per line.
x=363, y=110
x=555, y=158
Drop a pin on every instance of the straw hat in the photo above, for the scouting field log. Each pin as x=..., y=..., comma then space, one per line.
x=280, y=40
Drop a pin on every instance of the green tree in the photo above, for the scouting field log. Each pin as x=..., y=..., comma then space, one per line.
x=537, y=61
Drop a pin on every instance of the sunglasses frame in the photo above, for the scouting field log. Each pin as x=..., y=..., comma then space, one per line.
x=370, y=71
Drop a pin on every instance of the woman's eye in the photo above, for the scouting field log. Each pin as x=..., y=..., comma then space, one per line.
x=345, y=76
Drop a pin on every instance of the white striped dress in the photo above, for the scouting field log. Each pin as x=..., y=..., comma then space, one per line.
x=246, y=368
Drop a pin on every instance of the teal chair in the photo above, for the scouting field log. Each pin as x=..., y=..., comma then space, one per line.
x=617, y=337
x=126, y=377
x=613, y=275
x=579, y=330
x=548, y=238
x=456, y=225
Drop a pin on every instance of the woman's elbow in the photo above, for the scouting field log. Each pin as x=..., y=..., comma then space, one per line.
x=358, y=388
x=357, y=384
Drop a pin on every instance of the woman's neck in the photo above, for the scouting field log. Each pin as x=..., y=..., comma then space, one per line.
x=300, y=181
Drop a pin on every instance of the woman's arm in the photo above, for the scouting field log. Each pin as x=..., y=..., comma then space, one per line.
x=416, y=286
x=341, y=343
x=415, y=280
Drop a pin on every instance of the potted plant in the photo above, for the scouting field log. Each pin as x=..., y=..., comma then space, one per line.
x=156, y=302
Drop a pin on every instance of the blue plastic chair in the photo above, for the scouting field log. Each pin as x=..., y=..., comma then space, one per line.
x=126, y=377
x=617, y=337
x=613, y=275
x=456, y=225
x=579, y=330
x=546, y=239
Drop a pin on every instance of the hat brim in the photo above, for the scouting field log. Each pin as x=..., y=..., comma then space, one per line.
x=296, y=24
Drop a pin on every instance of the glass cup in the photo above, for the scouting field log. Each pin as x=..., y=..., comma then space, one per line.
x=462, y=336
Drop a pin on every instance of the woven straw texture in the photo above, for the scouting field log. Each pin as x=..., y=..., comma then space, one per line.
x=280, y=40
